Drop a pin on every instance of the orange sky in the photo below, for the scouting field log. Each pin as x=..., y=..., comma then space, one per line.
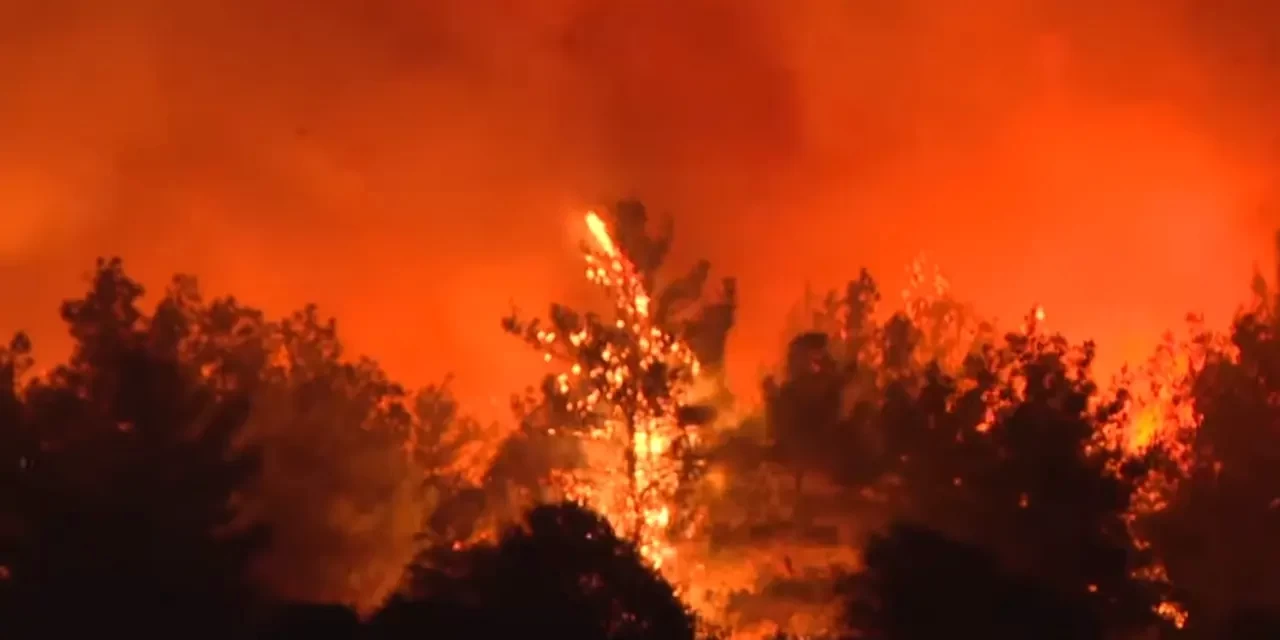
x=415, y=166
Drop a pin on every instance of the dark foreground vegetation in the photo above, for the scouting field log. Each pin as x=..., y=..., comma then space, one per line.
x=196, y=470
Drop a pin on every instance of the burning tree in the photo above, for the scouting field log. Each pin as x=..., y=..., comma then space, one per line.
x=1212, y=512
x=626, y=392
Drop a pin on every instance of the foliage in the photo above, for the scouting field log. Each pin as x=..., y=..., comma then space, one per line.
x=121, y=469
x=1005, y=456
x=563, y=574
x=338, y=480
x=207, y=419
x=920, y=585
x=1218, y=532
x=846, y=363
x=1000, y=451
x=194, y=464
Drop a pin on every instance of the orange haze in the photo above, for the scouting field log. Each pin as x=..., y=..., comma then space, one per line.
x=416, y=165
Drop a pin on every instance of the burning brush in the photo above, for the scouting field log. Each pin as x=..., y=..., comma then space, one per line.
x=626, y=395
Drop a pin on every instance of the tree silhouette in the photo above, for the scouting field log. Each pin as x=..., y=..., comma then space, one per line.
x=917, y=584
x=1000, y=452
x=846, y=364
x=126, y=472
x=993, y=443
x=16, y=442
x=453, y=450
x=141, y=477
x=809, y=428
x=1217, y=535
x=564, y=573
x=1007, y=457
x=345, y=499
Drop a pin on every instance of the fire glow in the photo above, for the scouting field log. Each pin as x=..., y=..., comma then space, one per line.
x=625, y=380
x=632, y=384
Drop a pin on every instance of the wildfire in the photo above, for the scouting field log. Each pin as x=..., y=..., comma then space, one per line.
x=631, y=392
x=626, y=380
x=600, y=231
x=1161, y=414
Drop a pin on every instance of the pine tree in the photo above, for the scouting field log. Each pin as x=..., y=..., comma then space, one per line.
x=626, y=390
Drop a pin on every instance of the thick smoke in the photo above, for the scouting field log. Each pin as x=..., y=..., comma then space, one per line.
x=416, y=165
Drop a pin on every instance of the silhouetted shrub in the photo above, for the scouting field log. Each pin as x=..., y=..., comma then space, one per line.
x=563, y=574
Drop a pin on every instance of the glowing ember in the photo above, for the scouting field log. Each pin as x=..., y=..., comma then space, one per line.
x=627, y=383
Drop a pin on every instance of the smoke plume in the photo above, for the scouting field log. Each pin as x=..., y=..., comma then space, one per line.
x=415, y=166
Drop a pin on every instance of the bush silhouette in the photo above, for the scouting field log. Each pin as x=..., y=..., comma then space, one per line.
x=563, y=574
x=918, y=584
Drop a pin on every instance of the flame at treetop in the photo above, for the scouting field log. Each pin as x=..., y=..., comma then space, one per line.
x=627, y=379
x=626, y=384
x=600, y=232
x=1160, y=414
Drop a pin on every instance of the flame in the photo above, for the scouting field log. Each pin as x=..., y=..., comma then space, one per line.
x=600, y=231
x=1162, y=414
x=633, y=472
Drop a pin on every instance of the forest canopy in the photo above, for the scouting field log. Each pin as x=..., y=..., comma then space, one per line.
x=196, y=468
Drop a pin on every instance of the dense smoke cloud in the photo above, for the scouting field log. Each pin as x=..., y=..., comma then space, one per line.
x=413, y=166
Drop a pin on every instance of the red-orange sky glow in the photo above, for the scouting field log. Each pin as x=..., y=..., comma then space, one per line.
x=415, y=166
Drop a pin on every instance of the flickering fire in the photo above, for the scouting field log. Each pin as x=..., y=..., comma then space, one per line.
x=634, y=442
x=1161, y=413
x=634, y=470
x=600, y=232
